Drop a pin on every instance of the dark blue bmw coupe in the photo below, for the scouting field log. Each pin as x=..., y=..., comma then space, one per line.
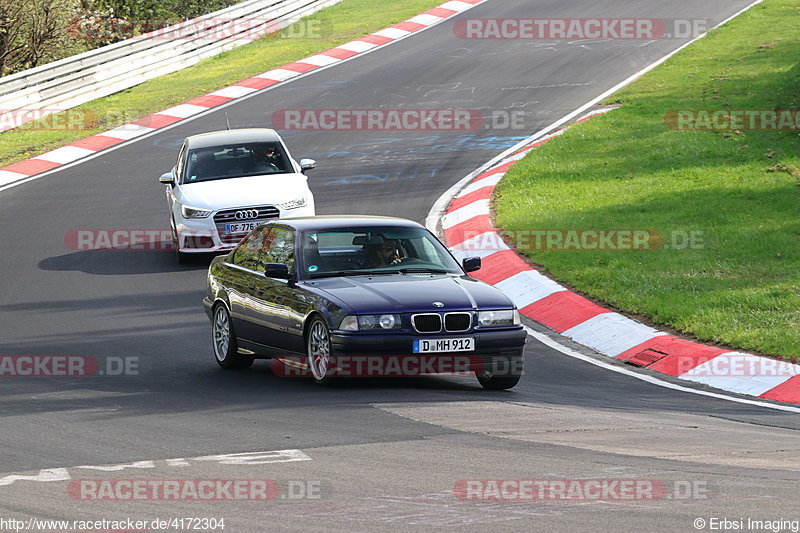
x=359, y=296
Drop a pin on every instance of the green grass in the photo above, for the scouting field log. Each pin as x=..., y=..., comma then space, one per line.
x=627, y=170
x=338, y=24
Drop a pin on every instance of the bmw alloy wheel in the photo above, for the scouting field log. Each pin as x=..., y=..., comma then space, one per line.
x=319, y=350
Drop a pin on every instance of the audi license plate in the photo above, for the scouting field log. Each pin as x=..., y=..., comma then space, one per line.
x=240, y=227
x=444, y=345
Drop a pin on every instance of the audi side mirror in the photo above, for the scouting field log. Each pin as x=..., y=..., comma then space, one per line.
x=471, y=264
x=276, y=270
x=167, y=178
x=307, y=164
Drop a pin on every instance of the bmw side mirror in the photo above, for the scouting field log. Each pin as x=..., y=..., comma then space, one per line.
x=276, y=270
x=471, y=264
x=167, y=178
x=307, y=164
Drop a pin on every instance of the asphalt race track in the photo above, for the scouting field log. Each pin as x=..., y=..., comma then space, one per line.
x=385, y=453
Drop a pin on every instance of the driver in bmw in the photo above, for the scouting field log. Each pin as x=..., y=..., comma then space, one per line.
x=385, y=254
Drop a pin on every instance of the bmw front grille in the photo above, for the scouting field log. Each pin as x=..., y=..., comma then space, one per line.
x=432, y=322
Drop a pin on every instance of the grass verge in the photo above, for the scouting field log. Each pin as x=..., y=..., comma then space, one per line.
x=341, y=23
x=736, y=279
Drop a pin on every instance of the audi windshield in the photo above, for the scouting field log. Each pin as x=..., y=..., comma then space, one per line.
x=236, y=161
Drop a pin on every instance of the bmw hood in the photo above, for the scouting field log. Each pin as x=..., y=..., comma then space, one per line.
x=243, y=192
x=412, y=293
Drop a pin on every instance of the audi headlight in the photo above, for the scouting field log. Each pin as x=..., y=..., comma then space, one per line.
x=294, y=204
x=194, y=212
x=505, y=317
x=370, y=322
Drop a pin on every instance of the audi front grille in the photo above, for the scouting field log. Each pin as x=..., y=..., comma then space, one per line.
x=250, y=214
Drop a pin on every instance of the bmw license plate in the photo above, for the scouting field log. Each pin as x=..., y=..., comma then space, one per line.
x=444, y=345
x=240, y=227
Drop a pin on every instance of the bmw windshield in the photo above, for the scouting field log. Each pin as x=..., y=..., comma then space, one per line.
x=375, y=250
x=236, y=161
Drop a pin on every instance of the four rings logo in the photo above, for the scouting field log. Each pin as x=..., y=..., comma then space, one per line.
x=246, y=215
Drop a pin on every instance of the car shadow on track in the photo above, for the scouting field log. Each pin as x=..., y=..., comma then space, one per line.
x=124, y=262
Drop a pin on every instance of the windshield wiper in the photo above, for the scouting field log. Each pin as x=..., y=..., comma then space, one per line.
x=347, y=273
x=406, y=270
x=422, y=270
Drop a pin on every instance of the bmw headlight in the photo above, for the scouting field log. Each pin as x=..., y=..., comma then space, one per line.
x=504, y=317
x=294, y=204
x=370, y=322
x=194, y=212
x=349, y=323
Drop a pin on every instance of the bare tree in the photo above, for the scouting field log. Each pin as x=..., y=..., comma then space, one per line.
x=12, y=44
x=32, y=32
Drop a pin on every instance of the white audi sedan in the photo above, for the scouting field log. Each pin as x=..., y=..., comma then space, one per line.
x=225, y=183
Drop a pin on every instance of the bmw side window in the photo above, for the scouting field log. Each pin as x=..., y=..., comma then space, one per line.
x=248, y=253
x=279, y=248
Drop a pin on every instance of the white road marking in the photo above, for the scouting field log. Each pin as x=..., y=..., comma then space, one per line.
x=233, y=91
x=527, y=287
x=120, y=468
x=357, y=46
x=392, y=33
x=50, y=474
x=183, y=110
x=248, y=459
x=477, y=208
x=65, y=154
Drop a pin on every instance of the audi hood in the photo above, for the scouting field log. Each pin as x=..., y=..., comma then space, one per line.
x=240, y=192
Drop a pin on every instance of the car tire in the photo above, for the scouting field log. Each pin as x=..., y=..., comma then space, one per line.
x=318, y=351
x=502, y=379
x=183, y=259
x=224, y=339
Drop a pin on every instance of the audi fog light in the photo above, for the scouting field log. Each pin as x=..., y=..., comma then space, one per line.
x=194, y=212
